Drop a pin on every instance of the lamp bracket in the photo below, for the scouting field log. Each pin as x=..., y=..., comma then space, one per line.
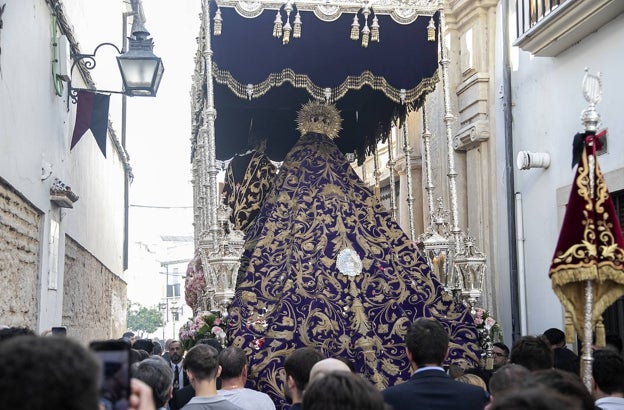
x=88, y=62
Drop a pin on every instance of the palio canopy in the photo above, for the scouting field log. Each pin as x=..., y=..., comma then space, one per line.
x=262, y=75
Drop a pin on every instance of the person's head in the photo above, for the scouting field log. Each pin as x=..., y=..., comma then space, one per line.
x=202, y=363
x=348, y=362
x=297, y=367
x=11, y=332
x=565, y=383
x=233, y=362
x=326, y=366
x=158, y=375
x=536, y=398
x=555, y=337
x=501, y=354
x=142, y=354
x=506, y=379
x=157, y=350
x=175, y=351
x=608, y=373
x=48, y=373
x=427, y=343
x=129, y=337
x=211, y=342
x=532, y=352
x=144, y=344
x=342, y=390
x=470, y=378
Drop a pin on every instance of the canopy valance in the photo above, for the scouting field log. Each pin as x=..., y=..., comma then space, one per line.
x=374, y=60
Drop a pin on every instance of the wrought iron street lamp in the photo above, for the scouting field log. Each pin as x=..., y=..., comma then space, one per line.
x=141, y=70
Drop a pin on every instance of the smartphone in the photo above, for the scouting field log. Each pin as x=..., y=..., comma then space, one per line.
x=114, y=380
x=59, y=331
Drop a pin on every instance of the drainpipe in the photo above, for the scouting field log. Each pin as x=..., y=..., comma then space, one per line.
x=516, y=331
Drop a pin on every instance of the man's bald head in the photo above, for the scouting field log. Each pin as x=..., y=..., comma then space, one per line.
x=326, y=366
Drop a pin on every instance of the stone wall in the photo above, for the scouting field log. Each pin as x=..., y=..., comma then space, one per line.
x=94, y=300
x=20, y=224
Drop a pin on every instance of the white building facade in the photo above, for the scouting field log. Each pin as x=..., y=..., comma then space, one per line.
x=60, y=265
x=526, y=99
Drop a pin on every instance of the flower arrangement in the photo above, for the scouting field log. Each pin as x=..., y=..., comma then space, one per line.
x=484, y=321
x=204, y=325
x=489, y=331
x=195, y=283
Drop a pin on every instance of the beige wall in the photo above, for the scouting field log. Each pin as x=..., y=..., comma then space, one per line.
x=19, y=259
x=94, y=296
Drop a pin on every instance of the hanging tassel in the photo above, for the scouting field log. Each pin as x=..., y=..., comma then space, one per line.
x=355, y=29
x=570, y=334
x=375, y=30
x=297, y=26
x=489, y=363
x=360, y=320
x=277, y=25
x=600, y=334
x=287, y=27
x=365, y=36
x=365, y=30
x=287, y=30
x=431, y=28
x=218, y=23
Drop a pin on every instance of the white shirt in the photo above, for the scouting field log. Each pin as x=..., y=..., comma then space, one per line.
x=610, y=403
x=248, y=399
x=180, y=373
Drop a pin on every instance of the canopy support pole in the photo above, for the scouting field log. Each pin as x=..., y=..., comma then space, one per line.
x=448, y=120
x=391, y=166
x=587, y=358
x=407, y=149
x=377, y=173
x=429, y=187
x=208, y=138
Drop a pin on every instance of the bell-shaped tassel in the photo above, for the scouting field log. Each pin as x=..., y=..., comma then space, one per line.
x=297, y=26
x=218, y=23
x=355, y=29
x=287, y=30
x=431, y=29
x=375, y=30
x=366, y=29
x=365, y=36
x=277, y=25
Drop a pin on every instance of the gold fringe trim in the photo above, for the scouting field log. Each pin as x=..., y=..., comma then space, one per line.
x=600, y=334
x=600, y=272
x=570, y=334
x=250, y=91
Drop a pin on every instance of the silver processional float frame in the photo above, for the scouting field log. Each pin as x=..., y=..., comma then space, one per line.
x=464, y=267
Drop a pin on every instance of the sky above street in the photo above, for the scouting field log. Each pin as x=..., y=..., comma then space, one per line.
x=158, y=142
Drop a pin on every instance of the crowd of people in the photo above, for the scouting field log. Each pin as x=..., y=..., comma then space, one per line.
x=538, y=372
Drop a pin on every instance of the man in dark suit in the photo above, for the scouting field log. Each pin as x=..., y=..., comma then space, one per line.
x=430, y=387
x=176, y=352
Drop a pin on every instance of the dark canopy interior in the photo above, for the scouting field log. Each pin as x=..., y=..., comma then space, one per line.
x=365, y=83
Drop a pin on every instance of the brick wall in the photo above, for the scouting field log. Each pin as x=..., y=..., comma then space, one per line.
x=20, y=224
x=94, y=299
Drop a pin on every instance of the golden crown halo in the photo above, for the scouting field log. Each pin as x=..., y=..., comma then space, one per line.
x=319, y=118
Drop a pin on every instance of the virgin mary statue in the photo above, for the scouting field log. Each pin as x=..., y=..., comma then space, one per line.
x=328, y=267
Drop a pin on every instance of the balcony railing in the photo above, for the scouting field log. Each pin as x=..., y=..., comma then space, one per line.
x=531, y=12
x=546, y=28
